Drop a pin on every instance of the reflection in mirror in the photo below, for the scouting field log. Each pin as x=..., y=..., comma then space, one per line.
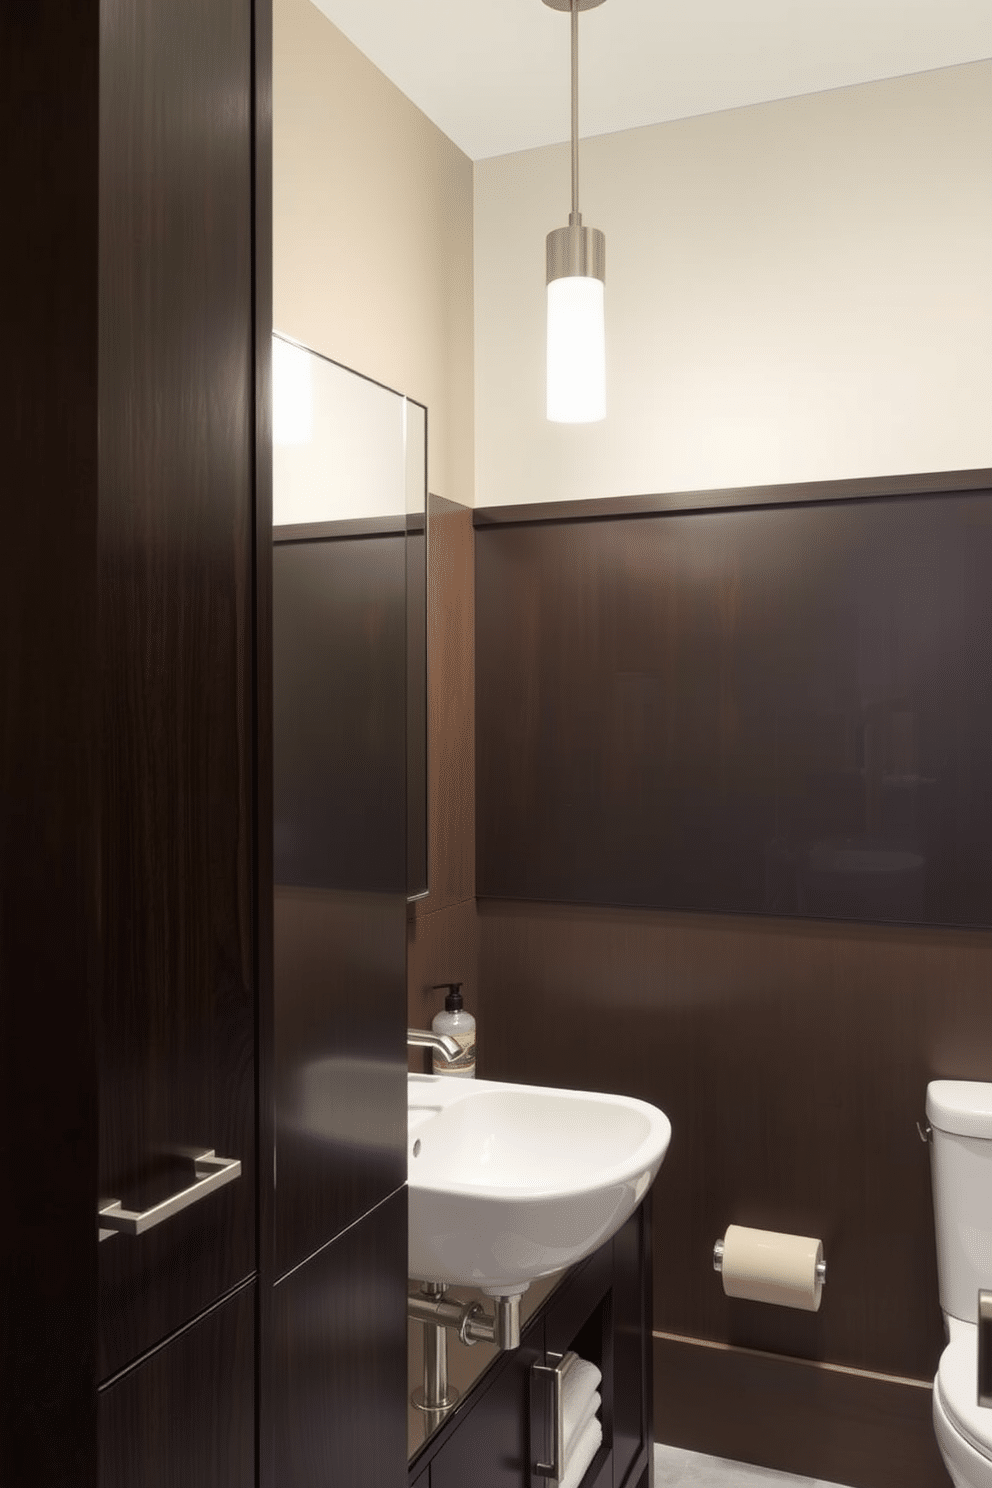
x=350, y=526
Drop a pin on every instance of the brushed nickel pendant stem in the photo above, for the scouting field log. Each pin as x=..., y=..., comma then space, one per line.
x=575, y=217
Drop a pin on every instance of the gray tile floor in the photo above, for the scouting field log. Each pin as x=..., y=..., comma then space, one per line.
x=676, y=1468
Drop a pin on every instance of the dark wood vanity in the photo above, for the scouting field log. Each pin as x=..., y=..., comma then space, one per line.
x=601, y=1309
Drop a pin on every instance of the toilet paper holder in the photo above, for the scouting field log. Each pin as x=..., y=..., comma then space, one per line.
x=821, y=1266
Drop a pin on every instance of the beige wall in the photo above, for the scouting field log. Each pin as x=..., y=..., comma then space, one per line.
x=795, y=291
x=372, y=252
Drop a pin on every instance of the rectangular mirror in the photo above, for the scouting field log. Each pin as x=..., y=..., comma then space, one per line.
x=350, y=627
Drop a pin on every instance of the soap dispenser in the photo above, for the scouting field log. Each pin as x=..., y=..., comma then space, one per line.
x=459, y=1025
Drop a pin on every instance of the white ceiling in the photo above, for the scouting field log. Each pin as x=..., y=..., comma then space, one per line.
x=494, y=74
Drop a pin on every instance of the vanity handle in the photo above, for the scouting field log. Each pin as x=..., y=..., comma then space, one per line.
x=211, y=1172
x=550, y=1473
x=985, y=1348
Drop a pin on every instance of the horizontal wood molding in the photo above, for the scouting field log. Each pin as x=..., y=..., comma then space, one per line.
x=842, y=1426
x=871, y=1374
x=295, y=532
x=929, y=483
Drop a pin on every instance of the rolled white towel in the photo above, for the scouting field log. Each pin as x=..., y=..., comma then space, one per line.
x=578, y=1460
x=574, y=1429
x=577, y=1389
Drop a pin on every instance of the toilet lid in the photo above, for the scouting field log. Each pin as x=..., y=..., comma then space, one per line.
x=957, y=1381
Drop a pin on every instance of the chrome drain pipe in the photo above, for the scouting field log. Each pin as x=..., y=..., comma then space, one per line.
x=470, y=1321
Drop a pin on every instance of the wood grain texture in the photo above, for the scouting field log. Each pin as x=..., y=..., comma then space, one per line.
x=442, y=935
x=417, y=715
x=780, y=711
x=792, y=1059
x=186, y=1414
x=633, y=1350
x=340, y=1062
x=795, y=1418
x=49, y=773
x=262, y=716
x=451, y=704
x=339, y=702
x=930, y=482
x=177, y=460
x=339, y=1360
x=490, y=1448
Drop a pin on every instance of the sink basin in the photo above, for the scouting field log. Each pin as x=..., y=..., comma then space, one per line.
x=511, y=1182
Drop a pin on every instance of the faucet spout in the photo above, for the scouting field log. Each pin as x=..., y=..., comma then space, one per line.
x=423, y=1038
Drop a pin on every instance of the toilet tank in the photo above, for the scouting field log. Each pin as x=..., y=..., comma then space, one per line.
x=960, y=1115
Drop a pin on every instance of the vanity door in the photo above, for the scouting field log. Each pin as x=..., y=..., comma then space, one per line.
x=186, y=1414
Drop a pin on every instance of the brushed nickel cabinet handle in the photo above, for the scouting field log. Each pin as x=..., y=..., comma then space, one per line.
x=551, y=1473
x=985, y=1348
x=211, y=1172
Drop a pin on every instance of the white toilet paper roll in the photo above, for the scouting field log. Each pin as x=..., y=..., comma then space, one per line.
x=764, y=1266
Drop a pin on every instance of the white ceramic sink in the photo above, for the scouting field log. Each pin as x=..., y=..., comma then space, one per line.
x=511, y=1182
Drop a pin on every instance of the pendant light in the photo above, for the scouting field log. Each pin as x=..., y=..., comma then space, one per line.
x=576, y=261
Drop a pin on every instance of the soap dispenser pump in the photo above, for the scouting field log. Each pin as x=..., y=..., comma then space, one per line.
x=459, y=1025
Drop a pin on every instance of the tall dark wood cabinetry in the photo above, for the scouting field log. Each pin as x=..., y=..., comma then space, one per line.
x=133, y=888
x=254, y=1335
x=177, y=1026
x=334, y=1402
x=49, y=677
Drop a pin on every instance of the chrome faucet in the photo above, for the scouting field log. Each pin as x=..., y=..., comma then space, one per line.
x=423, y=1038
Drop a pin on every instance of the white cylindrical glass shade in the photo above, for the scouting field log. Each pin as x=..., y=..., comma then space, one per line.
x=576, y=351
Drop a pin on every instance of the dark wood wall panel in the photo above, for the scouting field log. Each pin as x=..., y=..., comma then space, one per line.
x=186, y=1414
x=617, y=695
x=817, y=1423
x=776, y=711
x=338, y=1364
x=49, y=690
x=451, y=699
x=177, y=453
x=442, y=943
x=792, y=1059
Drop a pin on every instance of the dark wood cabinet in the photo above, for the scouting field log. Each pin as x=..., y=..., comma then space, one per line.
x=337, y=1360
x=176, y=471
x=333, y=1369
x=340, y=774
x=186, y=1413
x=491, y=1449
x=130, y=917
x=502, y=1428
x=632, y=1352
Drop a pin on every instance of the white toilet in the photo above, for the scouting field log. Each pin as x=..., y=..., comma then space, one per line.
x=960, y=1115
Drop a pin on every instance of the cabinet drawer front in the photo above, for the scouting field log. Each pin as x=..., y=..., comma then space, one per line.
x=186, y=1414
